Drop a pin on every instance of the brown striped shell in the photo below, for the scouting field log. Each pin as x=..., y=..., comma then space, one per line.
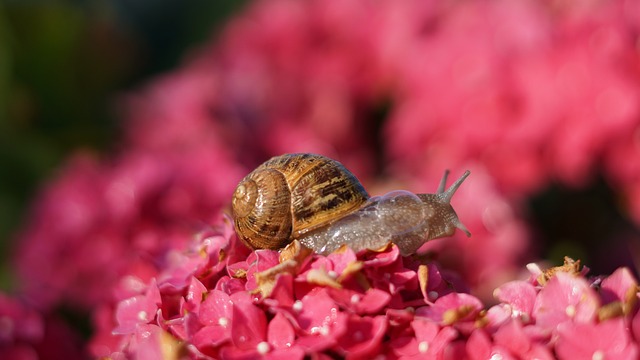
x=291, y=194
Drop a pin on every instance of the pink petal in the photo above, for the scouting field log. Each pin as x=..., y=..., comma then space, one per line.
x=133, y=312
x=606, y=340
x=498, y=315
x=404, y=346
x=341, y=260
x=249, y=324
x=294, y=353
x=317, y=312
x=371, y=302
x=512, y=336
x=280, y=333
x=363, y=336
x=230, y=285
x=635, y=326
x=152, y=343
x=282, y=293
x=479, y=345
x=539, y=352
x=425, y=330
x=316, y=343
x=520, y=295
x=616, y=287
x=466, y=304
x=194, y=296
x=210, y=337
x=216, y=309
x=565, y=298
x=442, y=340
x=378, y=259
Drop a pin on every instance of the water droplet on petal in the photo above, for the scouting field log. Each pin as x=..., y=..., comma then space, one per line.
x=263, y=347
x=423, y=347
x=223, y=321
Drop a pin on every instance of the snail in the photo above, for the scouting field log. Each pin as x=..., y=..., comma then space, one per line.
x=320, y=203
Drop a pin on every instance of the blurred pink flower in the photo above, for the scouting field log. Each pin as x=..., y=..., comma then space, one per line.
x=607, y=340
x=123, y=217
x=25, y=333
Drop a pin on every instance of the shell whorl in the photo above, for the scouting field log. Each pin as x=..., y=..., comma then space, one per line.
x=261, y=210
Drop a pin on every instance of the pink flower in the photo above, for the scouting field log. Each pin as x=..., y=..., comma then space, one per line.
x=480, y=346
x=520, y=296
x=25, y=333
x=452, y=308
x=137, y=310
x=620, y=286
x=134, y=211
x=431, y=339
x=606, y=340
x=565, y=298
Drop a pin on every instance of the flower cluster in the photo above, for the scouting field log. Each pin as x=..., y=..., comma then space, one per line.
x=523, y=93
x=215, y=302
x=25, y=333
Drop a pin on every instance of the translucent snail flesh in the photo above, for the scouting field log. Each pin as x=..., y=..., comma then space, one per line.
x=317, y=201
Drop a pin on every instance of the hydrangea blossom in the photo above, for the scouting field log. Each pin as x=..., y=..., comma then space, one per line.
x=523, y=93
x=366, y=304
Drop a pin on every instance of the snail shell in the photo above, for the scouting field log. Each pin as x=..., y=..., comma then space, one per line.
x=317, y=201
x=292, y=194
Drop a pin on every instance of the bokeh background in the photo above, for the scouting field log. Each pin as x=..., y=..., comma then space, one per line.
x=63, y=65
x=124, y=126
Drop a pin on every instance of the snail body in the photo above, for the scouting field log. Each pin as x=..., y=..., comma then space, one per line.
x=317, y=201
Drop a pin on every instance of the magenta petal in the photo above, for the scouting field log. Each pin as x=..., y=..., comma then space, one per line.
x=315, y=343
x=216, y=309
x=132, y=312
x=363, y=336
x=266, y=259
x=280, y=333
x=249, y=325
x=341, y=260
x=635, y=325
x=479, y=345
x=194, y=295
x=373, y=301
x=565, y=297
x=387, y=257
x=452, y=301
x=369, y=303
x=148, y=342
x=229, y=285
x=282, y=293
x=425, y=330
x=181, y=268
x=317, y=312
x=606, y=340
x=539, y=352
x=431, y=338
x=293, y=353
x=210, y=336
x=520, y=295
x=512, y=336
x=498, y=315
x=404, y=346
x=616, y=286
